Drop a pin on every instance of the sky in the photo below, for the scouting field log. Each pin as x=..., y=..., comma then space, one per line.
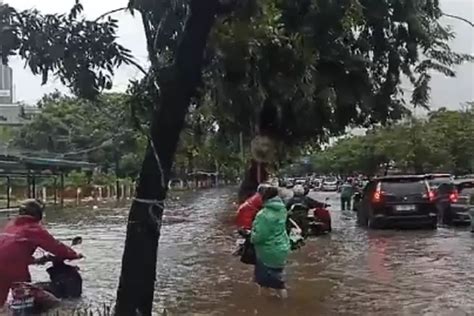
x=446, y=92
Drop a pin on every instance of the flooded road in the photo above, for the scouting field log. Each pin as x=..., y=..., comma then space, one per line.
x=351, y=272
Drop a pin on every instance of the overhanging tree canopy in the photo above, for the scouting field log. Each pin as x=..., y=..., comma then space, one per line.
x=296, y=71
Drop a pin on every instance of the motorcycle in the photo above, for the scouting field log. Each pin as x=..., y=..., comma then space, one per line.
x=36, y=298
x=320, y=221
x=312, y=222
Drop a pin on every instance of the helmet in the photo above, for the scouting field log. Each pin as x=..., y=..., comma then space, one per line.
x=32, y=207
x=298, y=190
x=262, y=187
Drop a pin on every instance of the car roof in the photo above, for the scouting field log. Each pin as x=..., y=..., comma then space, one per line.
x=432, y=176
x=462, y=181
x=400, y=177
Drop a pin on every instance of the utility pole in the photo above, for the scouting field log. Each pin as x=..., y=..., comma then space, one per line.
x=242, y=153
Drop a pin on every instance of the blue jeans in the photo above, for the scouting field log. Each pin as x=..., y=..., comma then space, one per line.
x=269, y=277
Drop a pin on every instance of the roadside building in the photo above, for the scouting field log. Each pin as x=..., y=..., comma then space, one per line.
x=12, y=114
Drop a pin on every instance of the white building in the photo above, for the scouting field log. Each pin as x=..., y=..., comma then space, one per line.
x=6, y=84
x=12, y=114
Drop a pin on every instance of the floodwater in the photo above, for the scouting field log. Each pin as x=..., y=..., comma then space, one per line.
x=351, y=272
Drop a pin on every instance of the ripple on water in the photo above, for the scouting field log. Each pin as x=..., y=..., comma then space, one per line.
x=350, y=272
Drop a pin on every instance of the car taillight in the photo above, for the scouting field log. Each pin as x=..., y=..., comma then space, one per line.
x=453, y=197
x=377, y=194
x=431, y=196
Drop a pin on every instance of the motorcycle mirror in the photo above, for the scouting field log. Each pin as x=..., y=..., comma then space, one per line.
x=77, y=241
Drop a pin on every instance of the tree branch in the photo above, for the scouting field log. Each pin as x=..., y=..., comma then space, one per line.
x=109, y=13
x=226, y=6
x=459, y=18
x=150, y=41
x=139, y=67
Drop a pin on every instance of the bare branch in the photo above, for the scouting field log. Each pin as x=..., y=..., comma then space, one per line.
x=109, y=13
x=459, y=18
x=159, y=29
x=150, y=41
x=139, y=67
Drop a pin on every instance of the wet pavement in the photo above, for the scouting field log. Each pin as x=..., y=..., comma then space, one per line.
x=350, y=272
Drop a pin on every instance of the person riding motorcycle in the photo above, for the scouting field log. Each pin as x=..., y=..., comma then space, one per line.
x=19, y=240
x=299, y=205
x=249, y=209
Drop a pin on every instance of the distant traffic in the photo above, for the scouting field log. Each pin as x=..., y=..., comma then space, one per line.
x=424, y=201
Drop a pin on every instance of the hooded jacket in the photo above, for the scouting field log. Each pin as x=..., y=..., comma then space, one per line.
x=248, y=210
x=18, y=242
x=269, y=235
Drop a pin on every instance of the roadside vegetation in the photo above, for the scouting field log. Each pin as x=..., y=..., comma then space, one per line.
x=441, y=142
x=297, y=73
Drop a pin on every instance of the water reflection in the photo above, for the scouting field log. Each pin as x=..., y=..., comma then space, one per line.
x=351, y=272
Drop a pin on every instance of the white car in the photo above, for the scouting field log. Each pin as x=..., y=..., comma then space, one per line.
x=330, y=185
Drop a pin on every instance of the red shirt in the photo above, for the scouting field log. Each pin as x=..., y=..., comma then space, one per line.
x=248, y=210
x=18, y=242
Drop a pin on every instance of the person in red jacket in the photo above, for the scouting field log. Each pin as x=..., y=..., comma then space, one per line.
x=249, y=209
x=19, y=240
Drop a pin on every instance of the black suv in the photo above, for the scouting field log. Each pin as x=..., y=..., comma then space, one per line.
x=461, y=202
x=444, y=190
x=405, y=200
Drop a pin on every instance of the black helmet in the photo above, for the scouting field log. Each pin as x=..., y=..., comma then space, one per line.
x=32, y=207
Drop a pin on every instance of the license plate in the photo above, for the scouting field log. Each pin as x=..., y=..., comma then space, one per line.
x=405, y=208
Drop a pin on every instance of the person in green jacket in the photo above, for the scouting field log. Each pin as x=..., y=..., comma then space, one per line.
x=347, y=191
x=271, y=241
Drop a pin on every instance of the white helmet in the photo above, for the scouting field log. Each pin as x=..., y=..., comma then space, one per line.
x=298, y=190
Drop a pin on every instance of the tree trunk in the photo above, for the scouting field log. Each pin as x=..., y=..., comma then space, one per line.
x=255, y=175
x=137, y=280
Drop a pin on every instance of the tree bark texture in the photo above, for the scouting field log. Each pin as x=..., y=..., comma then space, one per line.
x=254, y=175
x=138, y=275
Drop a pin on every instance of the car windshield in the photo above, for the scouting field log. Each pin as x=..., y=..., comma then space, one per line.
x=466, y=196
x=467, y=192
x=442, y=187
x=404, y=187
x=329, y=180
x=438, y=182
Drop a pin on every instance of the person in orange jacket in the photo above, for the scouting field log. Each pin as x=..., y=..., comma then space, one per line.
x=19, y=240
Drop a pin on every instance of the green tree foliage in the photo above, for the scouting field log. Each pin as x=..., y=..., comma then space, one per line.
x=82, y=54
x=442, y=142
x=325, y=65
x=103, y=132
x=298, y=71
x=204, y=146
x=98, y=131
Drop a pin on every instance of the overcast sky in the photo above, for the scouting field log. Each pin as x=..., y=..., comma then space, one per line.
x=445, y=92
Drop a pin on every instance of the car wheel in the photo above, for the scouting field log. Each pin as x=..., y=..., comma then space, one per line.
x=362, y=219
x=372, y=224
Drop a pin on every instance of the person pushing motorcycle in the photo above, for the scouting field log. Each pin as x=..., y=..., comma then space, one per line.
x=299, y=205
x=19, y=239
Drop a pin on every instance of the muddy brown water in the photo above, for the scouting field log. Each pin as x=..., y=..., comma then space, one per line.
x=351, y=272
